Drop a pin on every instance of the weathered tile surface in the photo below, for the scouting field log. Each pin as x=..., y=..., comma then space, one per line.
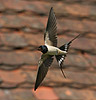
x=22, y=25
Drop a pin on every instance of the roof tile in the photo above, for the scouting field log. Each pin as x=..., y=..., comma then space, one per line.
x=12, y=76
x=20, y=58
x=45, y=93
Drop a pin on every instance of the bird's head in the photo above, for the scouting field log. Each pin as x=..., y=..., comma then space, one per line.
x=43, y=48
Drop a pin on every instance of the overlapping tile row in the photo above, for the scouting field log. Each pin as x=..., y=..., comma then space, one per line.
x=41, y=7
x=38, y=23
x=22, y=24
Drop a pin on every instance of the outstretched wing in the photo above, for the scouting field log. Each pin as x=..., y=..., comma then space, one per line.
x=43, y=65
x=50, y=35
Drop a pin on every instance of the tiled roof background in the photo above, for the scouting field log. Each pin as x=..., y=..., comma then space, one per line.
x=22, y=24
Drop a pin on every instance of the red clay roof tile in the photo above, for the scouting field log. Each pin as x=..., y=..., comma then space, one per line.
x=22, y=24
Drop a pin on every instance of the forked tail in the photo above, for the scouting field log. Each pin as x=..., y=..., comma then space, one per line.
x=60, y=58
x=65, y=47
x=73, y=39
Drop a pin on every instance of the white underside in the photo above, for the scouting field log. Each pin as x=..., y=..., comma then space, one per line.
x=55, y=51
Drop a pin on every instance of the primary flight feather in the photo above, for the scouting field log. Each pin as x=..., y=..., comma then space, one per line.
x=50, y=49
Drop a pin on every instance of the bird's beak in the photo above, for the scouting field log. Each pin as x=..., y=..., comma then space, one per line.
x=38, y=49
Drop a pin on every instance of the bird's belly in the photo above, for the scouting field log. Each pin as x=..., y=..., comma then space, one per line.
x=55, y=51
x=52, y=50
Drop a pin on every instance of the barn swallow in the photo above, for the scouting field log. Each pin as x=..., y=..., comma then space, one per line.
x=50, y=49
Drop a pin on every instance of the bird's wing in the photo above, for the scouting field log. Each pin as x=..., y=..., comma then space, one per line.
x=43, y=65
x=50, y=35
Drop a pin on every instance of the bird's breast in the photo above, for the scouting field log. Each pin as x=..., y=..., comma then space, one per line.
x=55, y=51
x=52, y=50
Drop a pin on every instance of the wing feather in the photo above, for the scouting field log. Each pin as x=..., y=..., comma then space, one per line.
x=43, y=65
x=50, y=35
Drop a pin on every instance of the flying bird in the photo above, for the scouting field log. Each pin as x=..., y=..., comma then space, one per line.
x=50, y=49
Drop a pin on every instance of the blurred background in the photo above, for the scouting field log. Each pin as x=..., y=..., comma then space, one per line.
x=22, y=25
